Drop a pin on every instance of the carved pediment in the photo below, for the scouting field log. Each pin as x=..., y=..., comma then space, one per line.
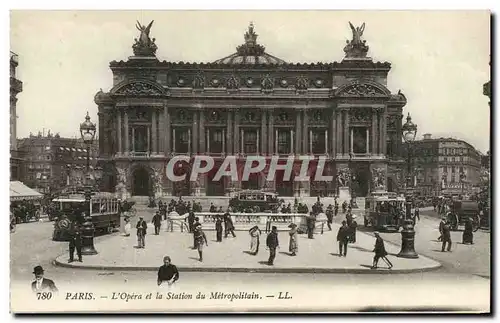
x=283, y=116
x=250, y=117
x=182, y=116
x=317, y=117
x=362, y=90
x=360, y=115
x=139, y=89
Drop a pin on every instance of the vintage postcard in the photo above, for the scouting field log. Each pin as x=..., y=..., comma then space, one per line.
x=250, y=161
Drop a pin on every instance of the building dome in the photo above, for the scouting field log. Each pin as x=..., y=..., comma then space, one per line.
x=250, y=53
x=102, y=98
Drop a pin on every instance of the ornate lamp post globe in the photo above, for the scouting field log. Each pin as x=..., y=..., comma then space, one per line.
x=87, y=131
x=409, y=133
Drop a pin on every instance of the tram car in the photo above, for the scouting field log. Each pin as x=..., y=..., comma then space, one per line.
x=384, y=211
x=104, y=211
x=253, y=201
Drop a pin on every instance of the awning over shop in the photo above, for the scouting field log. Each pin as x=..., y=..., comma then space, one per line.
x=19, y=192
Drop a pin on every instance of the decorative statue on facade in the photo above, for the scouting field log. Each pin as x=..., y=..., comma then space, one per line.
x=157, y=187
x=145, y=46
x=343, y=177
x=356, y=48
x=378, y=178
x=199, y=81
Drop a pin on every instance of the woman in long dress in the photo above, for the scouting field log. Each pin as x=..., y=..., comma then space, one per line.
x=293, y=246
x=254, y=240
x=128, y=227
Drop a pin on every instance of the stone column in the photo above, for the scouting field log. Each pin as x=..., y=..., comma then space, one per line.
x=374, y=149
x=367, y=141
x=167, y=131
x=338, y=134
x=270, y=143
x=305, y=132
x=236, y=144
x=127, y=147
x=154, y=134
x=347, y=147
x=384, y=132
x=161, y=132
x=298, y=131
x=263, y=132
x=229, y=133
x=333, y=132
x=202, y=145
x=194, y=131
x=119, y=131
x=399, y=135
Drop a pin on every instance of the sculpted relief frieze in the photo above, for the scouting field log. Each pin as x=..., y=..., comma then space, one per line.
x=361, y=90
x=139, y=89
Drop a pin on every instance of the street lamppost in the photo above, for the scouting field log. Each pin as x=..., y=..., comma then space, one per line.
x=462, y=179
x=87, y=131
x=409, y=132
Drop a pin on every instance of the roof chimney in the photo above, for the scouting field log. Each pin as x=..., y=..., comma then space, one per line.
x=427, y=136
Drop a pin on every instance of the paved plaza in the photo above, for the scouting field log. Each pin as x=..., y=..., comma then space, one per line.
x=315, y=255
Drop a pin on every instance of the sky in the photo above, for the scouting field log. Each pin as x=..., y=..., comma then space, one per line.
x=440, y=59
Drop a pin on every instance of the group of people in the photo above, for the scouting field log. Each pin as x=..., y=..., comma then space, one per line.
x=445, y=233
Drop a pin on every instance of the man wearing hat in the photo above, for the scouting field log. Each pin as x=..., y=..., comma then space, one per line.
x=141, y=232
x=343, y=239
x=75, y=242
x=157, y=222
x=42, y=284
x=380, y=252
x=200, y=239
x=293, y=246
x=272, y=243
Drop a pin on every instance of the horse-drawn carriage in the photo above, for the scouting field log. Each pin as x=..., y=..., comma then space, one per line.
x=463, y=211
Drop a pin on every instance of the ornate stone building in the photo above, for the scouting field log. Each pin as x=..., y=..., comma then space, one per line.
x=249, y=103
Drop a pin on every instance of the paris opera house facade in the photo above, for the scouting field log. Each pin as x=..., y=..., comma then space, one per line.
x=248, y=103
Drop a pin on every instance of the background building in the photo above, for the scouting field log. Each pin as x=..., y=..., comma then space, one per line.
x=249, y=103
x=16, y=87
x=52, y=163
x=445, y=166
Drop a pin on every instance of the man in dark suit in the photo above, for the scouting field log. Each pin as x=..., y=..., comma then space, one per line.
x=272, y=243
x=75, y=242
x=141, y=232
x=343, y=239
x=42, y=284
x=157, y=222
x=167, y=273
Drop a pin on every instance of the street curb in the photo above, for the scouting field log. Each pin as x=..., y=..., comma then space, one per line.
x=295, y=270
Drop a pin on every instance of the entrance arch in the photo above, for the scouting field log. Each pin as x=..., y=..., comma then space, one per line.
x=141, y=182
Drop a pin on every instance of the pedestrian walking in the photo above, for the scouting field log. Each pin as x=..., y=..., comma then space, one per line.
x=336, y=209
x=200, y=239
x=311, y=223
x=352, y=230
x=293, y=246
x=228, y=224
x=157, y=222
x=141, y=232
x=468, y=235
x=441, y=225
x=254, y=240
x=272, y=243
x=380, y=252
x=343, y=239
x=128, y=227
x=75, y=242
x=195, y=225
x=446, y=237
x=167, y=273
x=329, y=216
x=416, y=215
x=191, y=218
x=218, y=228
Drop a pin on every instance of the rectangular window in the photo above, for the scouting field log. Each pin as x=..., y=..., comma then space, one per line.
x=181, y=141
x=461, y=170
x=359, y=141
x=453, y=169
x=318, y=142
x=250, y=142
x=216, y=139
x=445, y=159
x=284, y=141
